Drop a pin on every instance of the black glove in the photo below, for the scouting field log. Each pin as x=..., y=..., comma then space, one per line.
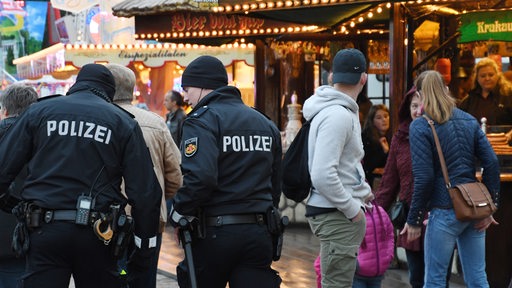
x=174, y=217
x=8, y=202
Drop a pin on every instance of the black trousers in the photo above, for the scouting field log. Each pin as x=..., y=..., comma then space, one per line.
x=61, y=249
x=147, y=279
x=240, y=254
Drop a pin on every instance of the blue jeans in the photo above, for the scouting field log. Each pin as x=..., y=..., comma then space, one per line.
x=367, y=282
x=443, y=231
x=416, y=265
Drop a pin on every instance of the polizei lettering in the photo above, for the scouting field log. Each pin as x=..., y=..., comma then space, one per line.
x=79, y=129
x=246, y=143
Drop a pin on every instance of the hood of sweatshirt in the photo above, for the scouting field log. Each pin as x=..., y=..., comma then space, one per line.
x=326, y=96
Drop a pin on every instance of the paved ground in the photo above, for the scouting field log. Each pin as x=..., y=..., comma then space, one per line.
x=295, y=266
x=167, y=280
x=395, y=278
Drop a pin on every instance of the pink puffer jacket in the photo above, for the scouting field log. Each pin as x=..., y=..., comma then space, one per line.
x=377, y=250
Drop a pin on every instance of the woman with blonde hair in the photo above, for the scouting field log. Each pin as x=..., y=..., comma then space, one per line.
x=490, y=96
x=462, y=141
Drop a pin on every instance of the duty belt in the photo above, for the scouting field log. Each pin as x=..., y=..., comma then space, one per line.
x=235, y=219
x=66, y=215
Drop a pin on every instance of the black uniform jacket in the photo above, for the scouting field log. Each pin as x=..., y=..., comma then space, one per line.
x=8, y=221
x=81, y=144
x=231, y=155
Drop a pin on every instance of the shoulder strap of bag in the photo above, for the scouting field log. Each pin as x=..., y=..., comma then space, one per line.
x=440, y=152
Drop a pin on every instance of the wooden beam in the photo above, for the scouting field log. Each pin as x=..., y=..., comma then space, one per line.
x=397, y=59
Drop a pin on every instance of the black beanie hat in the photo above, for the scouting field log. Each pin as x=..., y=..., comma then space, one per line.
x=205, y=72
x=99, y=77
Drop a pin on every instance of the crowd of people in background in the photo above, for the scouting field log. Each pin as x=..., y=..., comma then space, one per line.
x=389, y=170
x=359, y=167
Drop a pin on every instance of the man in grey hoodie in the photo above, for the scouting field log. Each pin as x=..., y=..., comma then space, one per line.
x=335, y=210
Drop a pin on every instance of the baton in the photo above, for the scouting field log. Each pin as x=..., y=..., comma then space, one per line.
x=186, y=243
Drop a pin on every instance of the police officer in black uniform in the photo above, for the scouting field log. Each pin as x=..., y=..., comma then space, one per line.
x=231, y=155
x=78, y=148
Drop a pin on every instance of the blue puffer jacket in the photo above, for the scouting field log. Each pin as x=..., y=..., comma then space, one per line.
x=463, y=144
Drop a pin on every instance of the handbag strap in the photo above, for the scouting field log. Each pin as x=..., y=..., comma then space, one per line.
x=440, y=152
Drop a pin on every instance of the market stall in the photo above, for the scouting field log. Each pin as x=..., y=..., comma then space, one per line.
x=158, y=67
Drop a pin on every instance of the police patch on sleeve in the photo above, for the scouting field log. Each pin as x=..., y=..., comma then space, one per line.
x=190, y=147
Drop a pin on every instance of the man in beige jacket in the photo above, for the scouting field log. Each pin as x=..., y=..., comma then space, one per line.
x=164, y=153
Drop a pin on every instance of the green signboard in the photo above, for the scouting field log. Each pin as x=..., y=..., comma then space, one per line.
x=484, y=26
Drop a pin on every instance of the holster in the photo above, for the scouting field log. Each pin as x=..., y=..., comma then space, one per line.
x=33, y=215
x=123, y=235
x=276, y=225
x=200, y=225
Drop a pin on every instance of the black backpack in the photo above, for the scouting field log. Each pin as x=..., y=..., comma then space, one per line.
x=296, y=181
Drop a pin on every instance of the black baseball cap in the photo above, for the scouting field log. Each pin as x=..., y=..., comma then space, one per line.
x=348, y=64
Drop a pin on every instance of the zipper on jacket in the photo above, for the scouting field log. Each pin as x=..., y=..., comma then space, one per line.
x=376, y=241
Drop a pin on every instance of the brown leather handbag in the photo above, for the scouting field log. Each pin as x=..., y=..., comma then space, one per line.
x=471, y=201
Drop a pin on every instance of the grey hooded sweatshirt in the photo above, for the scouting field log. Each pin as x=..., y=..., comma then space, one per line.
x=335, y=152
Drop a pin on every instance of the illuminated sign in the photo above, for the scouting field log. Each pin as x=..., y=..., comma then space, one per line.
x=208, y=25
x=484, y=26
